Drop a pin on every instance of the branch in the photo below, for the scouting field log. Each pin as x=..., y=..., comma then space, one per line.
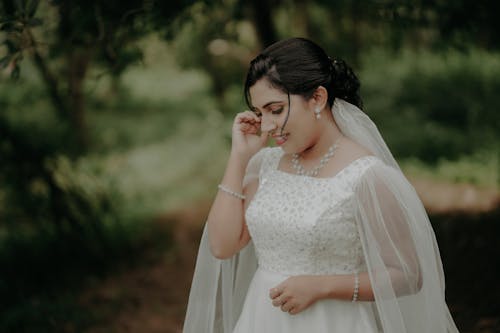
x=49, y=78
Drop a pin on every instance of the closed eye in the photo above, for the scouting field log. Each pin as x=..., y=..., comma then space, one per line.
x=273, y=111
x=277, y=111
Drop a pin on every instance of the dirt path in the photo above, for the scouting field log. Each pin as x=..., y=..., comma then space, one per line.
x=444, y=197
x=151, y=298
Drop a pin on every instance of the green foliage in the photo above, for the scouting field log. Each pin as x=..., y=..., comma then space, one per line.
x=213, y=41
x=62, y=219
x=344, y=28
x=434, y=106
x=155, y=144
x=159, y=133
x=43, y=187
x=480, y=168
x=439, y=24
x=43, y=273
x=47, y=314
x=66, y=39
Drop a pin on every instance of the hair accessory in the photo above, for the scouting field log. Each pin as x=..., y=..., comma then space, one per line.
x=332, y=60
x=317, y=112
x=356, y=287
x=230, y=192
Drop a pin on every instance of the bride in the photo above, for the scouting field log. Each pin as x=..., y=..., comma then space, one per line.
x=321, y=233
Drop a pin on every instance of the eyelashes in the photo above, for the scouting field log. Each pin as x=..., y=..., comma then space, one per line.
x=275, y=112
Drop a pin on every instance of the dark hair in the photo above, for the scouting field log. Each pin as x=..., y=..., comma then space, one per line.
x=299, y=66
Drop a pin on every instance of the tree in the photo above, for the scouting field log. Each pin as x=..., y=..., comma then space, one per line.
x=440, y=24
x=65, y=38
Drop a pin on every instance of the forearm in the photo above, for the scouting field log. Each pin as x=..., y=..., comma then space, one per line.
x=225, y=219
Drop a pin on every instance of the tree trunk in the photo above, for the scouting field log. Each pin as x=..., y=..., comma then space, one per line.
x=263, y=22
x=78, y=61
x=50, y=80
x=52, y=86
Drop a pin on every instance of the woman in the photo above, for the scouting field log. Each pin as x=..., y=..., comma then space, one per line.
x=322, y=233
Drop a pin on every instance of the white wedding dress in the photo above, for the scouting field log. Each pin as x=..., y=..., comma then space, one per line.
x=303, y=225
x=367, y=218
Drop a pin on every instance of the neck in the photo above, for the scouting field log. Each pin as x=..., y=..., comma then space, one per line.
x=329, y=133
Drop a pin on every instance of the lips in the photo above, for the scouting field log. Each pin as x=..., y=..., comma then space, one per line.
x=280, y=139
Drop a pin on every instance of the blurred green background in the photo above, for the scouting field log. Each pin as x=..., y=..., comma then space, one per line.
x=115, y=122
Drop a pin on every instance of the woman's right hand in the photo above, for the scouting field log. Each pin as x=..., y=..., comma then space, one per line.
x=247, y=137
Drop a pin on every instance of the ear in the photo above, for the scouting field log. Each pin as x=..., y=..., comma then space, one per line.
x=319, y=98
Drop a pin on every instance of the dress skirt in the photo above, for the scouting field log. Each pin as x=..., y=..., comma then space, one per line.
x=325, y=316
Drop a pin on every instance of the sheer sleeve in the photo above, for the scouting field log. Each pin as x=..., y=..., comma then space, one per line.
x=401, y=254
x=254, y=169
x=219, y=286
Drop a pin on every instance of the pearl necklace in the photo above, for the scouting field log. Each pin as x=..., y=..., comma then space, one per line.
x=314, y=171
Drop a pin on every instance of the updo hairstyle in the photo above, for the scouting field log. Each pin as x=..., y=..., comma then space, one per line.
x=299, y=66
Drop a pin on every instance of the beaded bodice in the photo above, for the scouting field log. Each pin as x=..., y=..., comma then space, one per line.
x=305, y=225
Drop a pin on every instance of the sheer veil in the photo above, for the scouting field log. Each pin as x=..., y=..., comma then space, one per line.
x=399, y=247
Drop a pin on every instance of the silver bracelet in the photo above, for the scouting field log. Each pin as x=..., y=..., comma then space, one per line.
x=228, y=191
x=356, y=287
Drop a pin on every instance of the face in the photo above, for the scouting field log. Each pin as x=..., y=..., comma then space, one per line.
x=299, y=131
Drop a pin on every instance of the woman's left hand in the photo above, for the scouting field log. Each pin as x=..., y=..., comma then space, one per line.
x=297, y=293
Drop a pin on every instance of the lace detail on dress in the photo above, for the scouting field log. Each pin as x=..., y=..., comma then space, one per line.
x=305, y=225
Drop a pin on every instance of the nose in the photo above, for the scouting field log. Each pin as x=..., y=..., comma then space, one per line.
x=267, y=124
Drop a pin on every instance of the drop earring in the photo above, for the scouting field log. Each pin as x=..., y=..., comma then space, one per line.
x=317, y=112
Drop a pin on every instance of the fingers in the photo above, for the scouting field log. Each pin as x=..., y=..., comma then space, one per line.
x=247, y=122
x=285, y=304
x=279, y=301
x=249, y=128
x=247, y=117
x=283, y=301
x=277, y=296
x=274, y=292
x=288, y=307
